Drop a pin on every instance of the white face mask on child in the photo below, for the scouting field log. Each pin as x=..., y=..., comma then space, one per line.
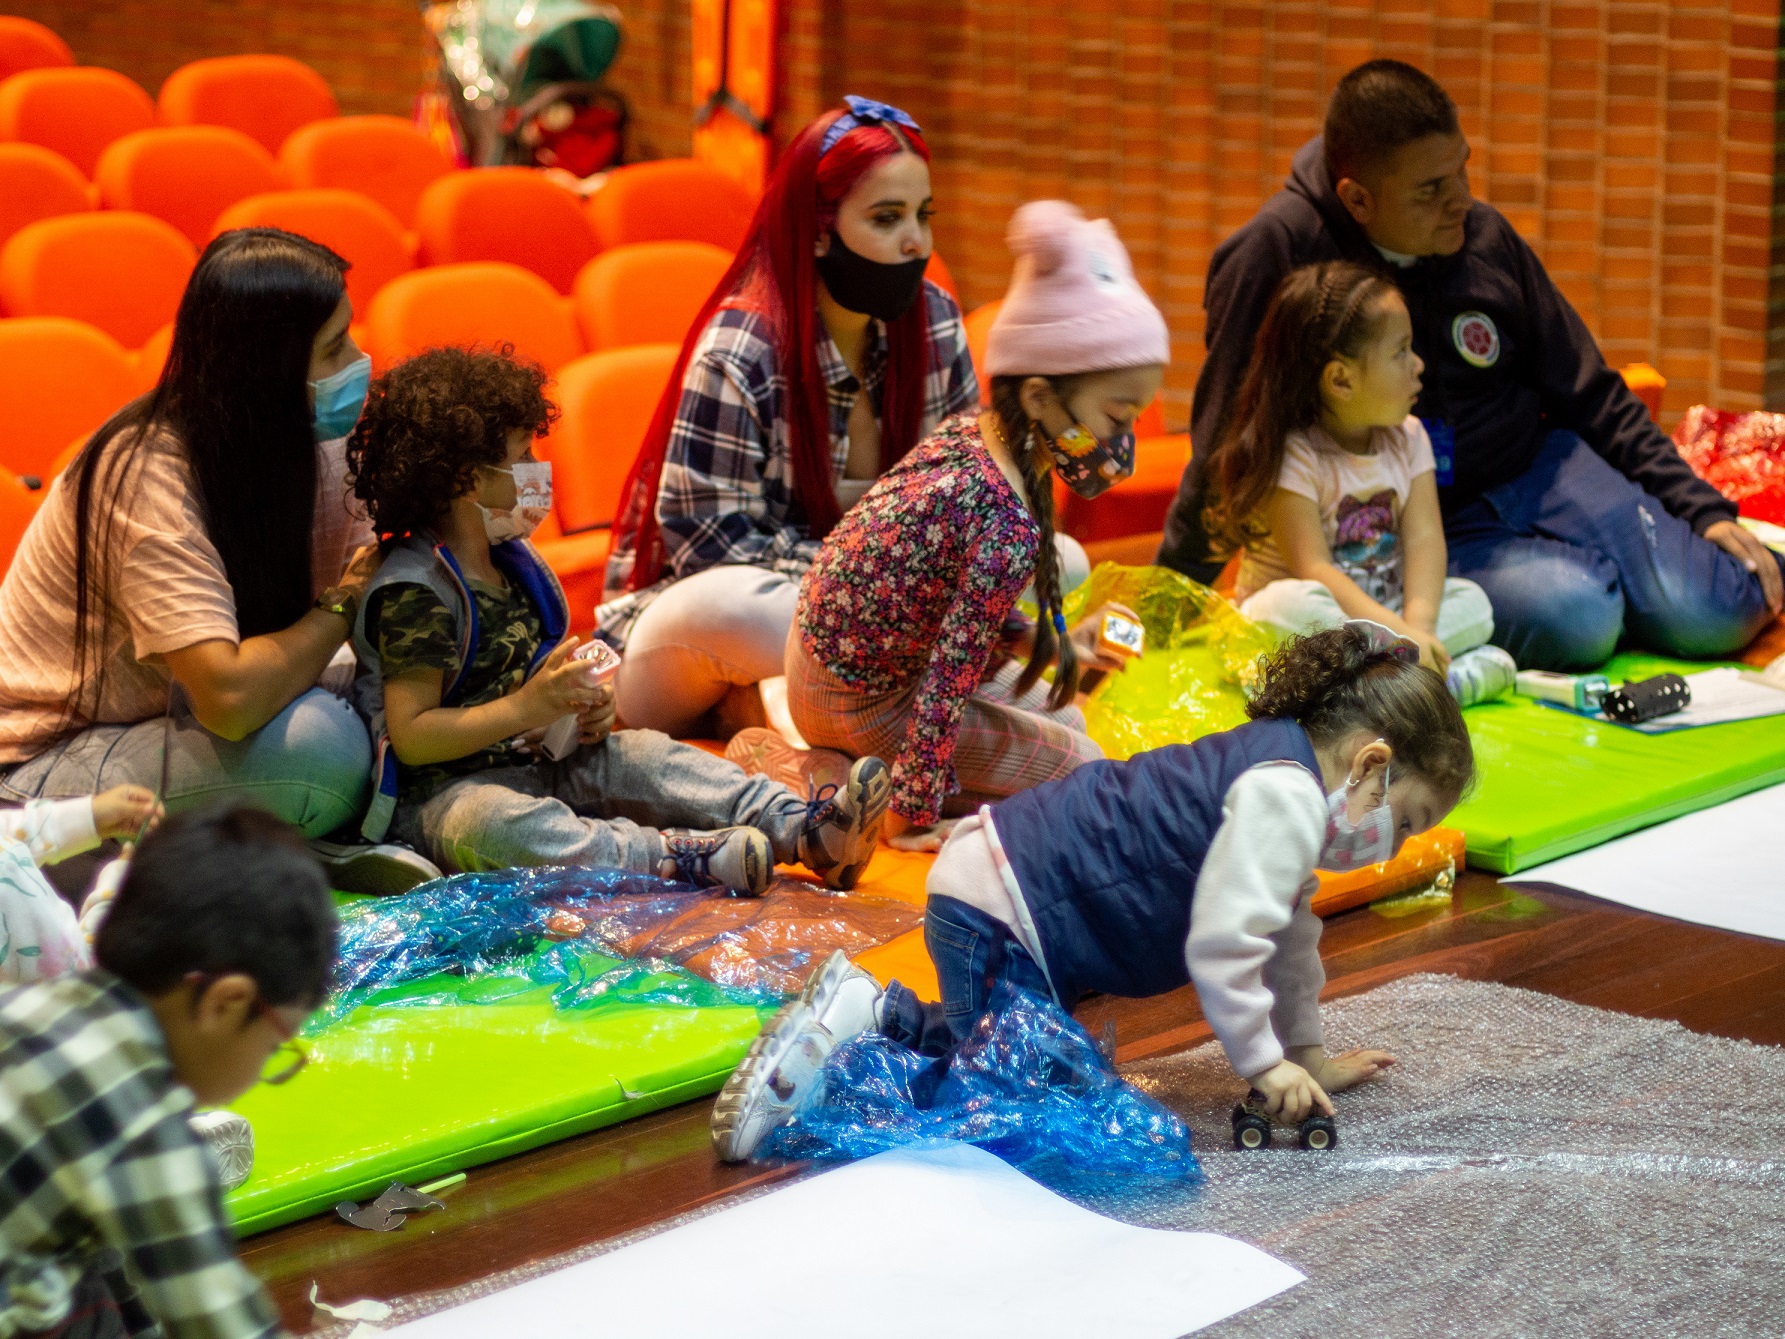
x=1369, y=841
x=532, y=502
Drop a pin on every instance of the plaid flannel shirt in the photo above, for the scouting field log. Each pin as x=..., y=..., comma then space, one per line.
x=97, y=1161
x=727, y=491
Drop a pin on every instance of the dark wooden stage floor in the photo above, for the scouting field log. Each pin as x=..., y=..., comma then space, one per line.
x=616, y=1180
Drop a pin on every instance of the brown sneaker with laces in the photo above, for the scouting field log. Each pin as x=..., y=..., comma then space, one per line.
x=740, y=859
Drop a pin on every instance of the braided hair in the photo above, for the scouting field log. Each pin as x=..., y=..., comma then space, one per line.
x=1024, y=438
x=1336, y=683
x=1318, y=313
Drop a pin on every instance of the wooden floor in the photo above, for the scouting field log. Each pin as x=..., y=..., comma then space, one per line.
x=613, y=1181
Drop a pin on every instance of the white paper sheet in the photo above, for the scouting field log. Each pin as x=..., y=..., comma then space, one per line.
x=1723, y=866
x=939, y=1242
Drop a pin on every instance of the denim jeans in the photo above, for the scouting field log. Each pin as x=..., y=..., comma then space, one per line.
x=310, y=765
x=604, y=805
x=972, y=953
x=1575, y=558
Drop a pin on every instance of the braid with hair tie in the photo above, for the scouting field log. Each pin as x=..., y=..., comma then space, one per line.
x=1325, y=292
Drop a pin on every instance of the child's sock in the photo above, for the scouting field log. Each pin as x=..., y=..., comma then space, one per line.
x=1481, y=675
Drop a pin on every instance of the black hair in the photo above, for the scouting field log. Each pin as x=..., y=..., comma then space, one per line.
x=1022, y=436
x=220, y=889
x=430, y=422
x=1377, y=108
x=234, y=397
x=1318, y=313
x=1335, y=685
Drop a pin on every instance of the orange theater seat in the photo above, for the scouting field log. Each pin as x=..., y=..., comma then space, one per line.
x=18, y=508
x=264, y=97
x=384, y=157
x=485, y=302
x=938, y=273
x=608, y=400
x=187, y=175
x=978, y=324
x=119, y=271
x=673, y=200
x=37, y=183
x=646, y=293
x=25, y=45
x=76, y=111
x=505, y=213
x=59, y=379
x=360, y=231
x=152, y=357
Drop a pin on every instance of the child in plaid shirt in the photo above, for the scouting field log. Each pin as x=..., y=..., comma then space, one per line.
x=218, y=946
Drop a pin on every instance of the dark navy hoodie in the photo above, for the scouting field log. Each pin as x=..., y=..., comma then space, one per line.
x=1547, y=372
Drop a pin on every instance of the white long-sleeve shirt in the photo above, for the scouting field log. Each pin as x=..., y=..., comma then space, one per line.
x=1253, y=951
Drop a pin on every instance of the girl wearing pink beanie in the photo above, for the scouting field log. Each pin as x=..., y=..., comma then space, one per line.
x=913, y=592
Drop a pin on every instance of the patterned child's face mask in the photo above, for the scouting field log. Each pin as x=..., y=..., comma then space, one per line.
x=1088, y=464
x=1352, y=845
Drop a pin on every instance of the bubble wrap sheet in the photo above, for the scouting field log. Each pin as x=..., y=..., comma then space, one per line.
x=1531, y=1167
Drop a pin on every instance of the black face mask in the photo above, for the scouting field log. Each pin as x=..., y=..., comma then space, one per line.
x=870, y=287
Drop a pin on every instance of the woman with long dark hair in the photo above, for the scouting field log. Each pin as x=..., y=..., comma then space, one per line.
x=822, y=357
x=202, y=538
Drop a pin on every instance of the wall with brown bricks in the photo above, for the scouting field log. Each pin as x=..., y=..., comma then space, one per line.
x=1633, y=142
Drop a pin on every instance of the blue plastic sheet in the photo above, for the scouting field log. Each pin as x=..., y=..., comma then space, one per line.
x=591, y=937
x=1028, y=1084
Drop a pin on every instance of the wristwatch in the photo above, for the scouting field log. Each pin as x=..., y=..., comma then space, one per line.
x=339, y=600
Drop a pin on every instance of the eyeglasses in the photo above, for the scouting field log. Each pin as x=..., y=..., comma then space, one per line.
x=288, y=1058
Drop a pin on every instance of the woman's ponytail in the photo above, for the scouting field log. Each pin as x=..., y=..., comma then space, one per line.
x=1051, y=643
x=1339, y=683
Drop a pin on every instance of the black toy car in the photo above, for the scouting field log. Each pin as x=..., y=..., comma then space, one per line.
x=1252, y=1127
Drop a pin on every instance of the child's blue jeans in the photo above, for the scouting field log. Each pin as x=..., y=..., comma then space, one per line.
x=972, y=953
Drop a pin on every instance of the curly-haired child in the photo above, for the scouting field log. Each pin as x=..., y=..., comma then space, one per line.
x=1353, y=747
x=465, y=628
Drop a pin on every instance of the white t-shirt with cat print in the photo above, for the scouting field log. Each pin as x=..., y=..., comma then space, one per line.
x=1360, y=500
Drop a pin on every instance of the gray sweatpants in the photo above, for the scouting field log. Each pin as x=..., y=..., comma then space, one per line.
x=603, y=805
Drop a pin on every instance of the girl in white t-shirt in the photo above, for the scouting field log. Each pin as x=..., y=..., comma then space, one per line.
x=1325, y=481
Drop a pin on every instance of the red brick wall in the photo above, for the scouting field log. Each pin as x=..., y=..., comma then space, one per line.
x=1632, y=143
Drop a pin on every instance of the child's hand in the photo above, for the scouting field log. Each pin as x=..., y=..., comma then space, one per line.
x=1431, y=651
x=121, y=811
x=1084, y=637
x=596, y=722
x=561, y=687
x=1290, y=1092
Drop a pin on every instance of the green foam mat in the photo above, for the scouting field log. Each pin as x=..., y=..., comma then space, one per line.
x=1553, y=783
x=417, y=1091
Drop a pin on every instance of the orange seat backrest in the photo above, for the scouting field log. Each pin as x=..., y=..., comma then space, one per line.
x=673, y=200
x=647, y=292
x=58, y=379
x=26, y=45
x=481, y=302
x=938, y=273
x=37, y=183
x=76, y=111
x=18, y=508
x=505, y=213
x=360, y=231
x=608, y=400
x=119, y=271
x=187, y=175
x=264, y=97
x=384, y=157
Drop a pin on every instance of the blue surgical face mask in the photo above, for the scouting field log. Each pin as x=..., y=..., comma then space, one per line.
x=339, y=399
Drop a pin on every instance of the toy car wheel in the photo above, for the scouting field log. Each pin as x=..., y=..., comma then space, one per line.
x=1319, y=1134
x=1250, y=1130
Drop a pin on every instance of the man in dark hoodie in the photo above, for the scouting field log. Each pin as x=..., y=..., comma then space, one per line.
x=1561, y=498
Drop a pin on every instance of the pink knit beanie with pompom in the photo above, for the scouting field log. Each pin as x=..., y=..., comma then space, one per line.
x=1073, y=304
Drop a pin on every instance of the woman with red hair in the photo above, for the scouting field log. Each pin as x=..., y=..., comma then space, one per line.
x=822, y=357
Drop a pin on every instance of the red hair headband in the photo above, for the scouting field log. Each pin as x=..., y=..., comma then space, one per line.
x=1386, y=642
x=864, y=112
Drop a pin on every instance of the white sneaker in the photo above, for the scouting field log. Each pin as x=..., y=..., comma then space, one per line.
x=231, y=1141
x=780, y=1077
x=385, y=869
